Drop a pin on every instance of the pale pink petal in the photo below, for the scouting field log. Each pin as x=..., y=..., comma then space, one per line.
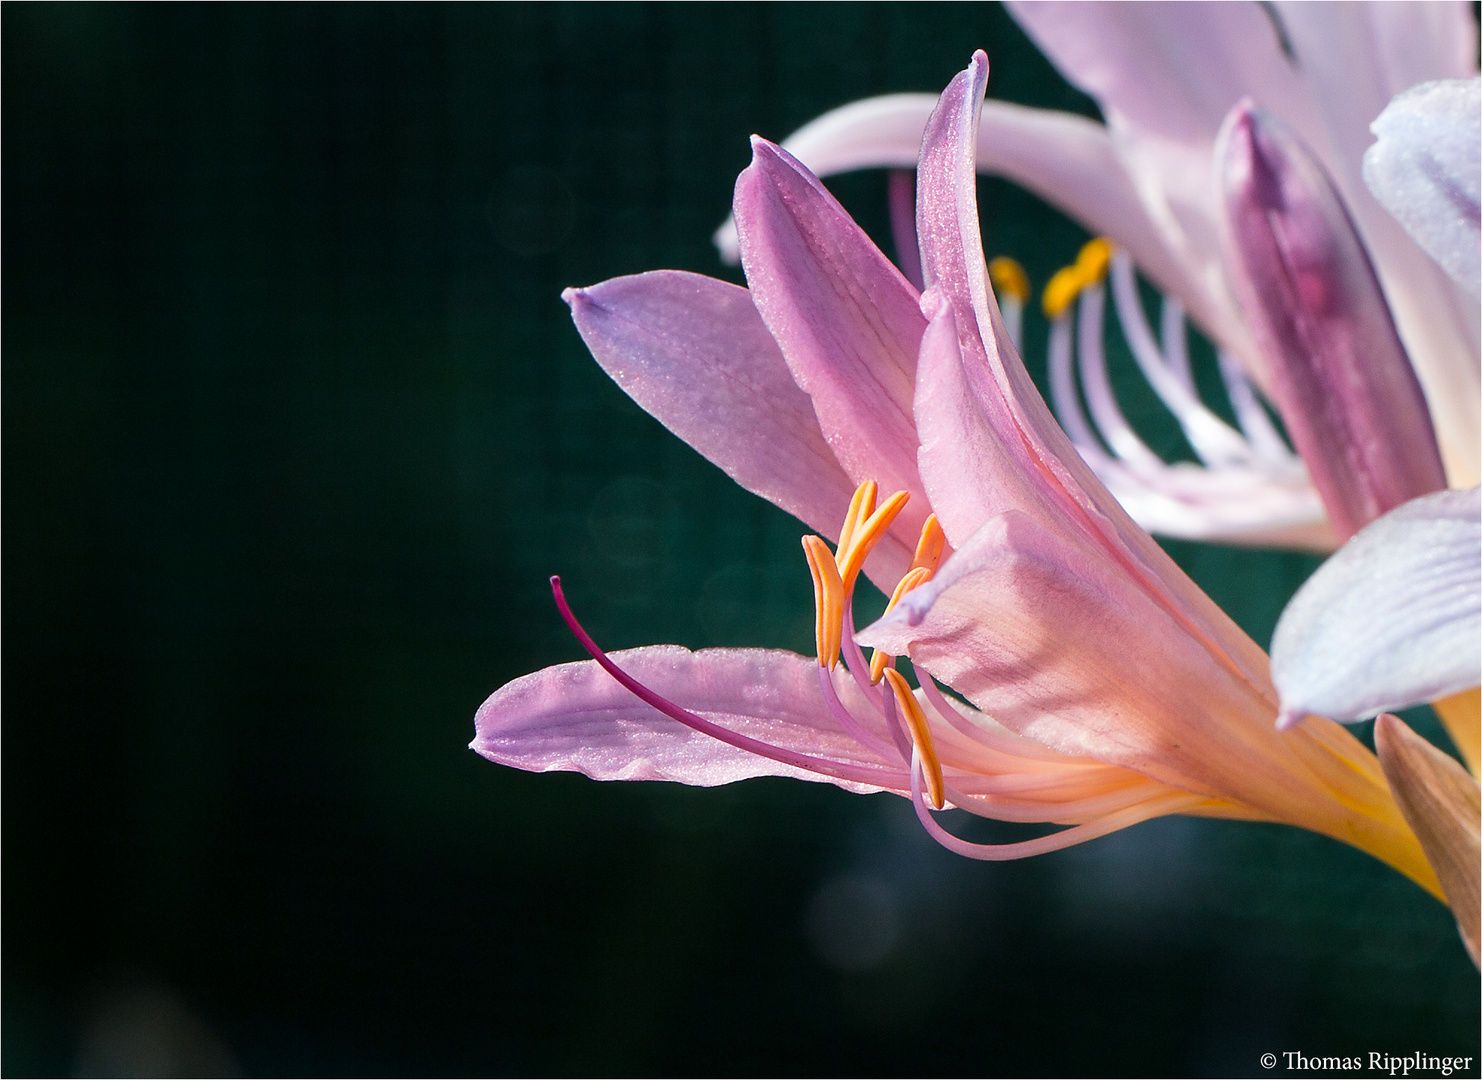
x=694, y=353
x=1337, y=369
x=848, y=323
x=576, y=717
x=1356, y=57
x=1044, y=633
x=998, y=447
x=1167, y=71
x=1165, y=75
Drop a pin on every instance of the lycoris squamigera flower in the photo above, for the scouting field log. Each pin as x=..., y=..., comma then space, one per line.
x=1101, y=686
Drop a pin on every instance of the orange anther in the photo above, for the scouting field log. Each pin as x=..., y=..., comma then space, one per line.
x=929, y=547
x=860, y=508
x=828, y=600
x=920, y=736
x=865, y=536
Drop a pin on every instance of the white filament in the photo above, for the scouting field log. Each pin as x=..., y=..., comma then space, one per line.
x=1249, y=488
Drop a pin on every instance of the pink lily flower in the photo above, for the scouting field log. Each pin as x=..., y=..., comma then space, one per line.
x=1165, y=76
x=1018, y=580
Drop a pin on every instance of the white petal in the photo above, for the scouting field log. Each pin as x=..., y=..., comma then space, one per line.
x=1426, y=169
x=1393, y=619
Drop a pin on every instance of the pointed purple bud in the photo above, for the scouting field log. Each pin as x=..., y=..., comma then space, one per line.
x=1336, y=368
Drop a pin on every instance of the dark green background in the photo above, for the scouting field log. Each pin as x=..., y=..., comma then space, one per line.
x=296, y=426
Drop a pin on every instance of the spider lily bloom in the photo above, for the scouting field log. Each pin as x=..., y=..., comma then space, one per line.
x=1165, y=76
x=1024, y=589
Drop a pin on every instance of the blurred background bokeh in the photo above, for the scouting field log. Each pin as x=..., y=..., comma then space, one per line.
x=295, y=428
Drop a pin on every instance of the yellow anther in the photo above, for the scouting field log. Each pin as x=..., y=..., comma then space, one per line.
x=828, y=600
x=1068, y=282
x=865, y=536
x=1065, y=285
x=860, y=508
x=1093, y=260
x=929, y=547
x=1009, y=278
x=920, y=735
x=918, y=575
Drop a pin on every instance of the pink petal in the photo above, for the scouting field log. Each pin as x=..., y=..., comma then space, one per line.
x=1169, y=71
x=848, y=323
x=1426, y=168
x=1390, y=621
x=989, y=442
x=1044, y=633
x=694, y=353
x=1338, y=372
x=576, y=717
x=1356, y=58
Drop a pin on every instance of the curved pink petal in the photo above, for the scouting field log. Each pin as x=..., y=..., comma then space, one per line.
x=1043, y=632
x=1006, y=451
x=1337, y=369
x=1392, y=620
x=1165, y=75
x=694, y=353
x=848, y=323
x=1167, y=71
x=576, y=717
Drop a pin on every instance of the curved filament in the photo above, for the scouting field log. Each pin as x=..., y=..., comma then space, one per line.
x=1077, y=834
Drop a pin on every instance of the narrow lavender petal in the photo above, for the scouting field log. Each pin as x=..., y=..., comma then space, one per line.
x=848, y=324
x=694, y=353
x=1338, y=372
x=1426, y=170
x=576, y=717
x=1392, y=620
